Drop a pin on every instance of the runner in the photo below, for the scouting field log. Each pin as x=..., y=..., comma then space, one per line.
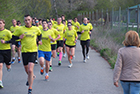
x=45, y=49
x=16, y=44
x=61, y=28
x=63, y=18
x=40, y=22
x=85, y=38
x=76, y=24
x=64, y=52
x=90, y=25
x=28, y=35
x=18, y=23
x=33, y=22
x=55, y=36
x=5, y=50
x=71, y=36
x=38, y=25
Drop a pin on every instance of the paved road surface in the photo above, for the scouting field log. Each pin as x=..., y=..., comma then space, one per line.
x=93, y=77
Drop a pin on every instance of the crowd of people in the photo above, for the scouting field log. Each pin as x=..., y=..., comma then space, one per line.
x=41, y=39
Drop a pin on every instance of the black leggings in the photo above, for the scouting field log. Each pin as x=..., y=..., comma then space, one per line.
x=85, y=44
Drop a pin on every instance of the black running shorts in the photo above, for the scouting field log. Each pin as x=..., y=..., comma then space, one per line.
x=87, y=42
x=53, y=46
x=17, y=43
x=60, y=43
x=5, y=56
x=70, y=46
x=29, y=57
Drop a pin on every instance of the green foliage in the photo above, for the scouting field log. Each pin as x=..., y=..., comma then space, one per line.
x=16, y=9
x=94, y=44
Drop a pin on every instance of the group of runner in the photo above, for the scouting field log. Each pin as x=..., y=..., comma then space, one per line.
x=43, y=38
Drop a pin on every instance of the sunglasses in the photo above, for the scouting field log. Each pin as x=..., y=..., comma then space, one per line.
x=49, y=24
x=36, y=21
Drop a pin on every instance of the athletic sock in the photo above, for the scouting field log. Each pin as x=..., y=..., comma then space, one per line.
x=60, y=56
x=42, y=68
x=47, y=74
x=18, y=57
x=14, y=58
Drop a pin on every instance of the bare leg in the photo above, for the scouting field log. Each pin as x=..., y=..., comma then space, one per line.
x=1, y=73
x=30, y=74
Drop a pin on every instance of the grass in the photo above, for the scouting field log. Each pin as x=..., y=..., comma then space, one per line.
x=107, y=42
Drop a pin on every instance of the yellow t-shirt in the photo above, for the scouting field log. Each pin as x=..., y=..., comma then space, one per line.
x=28, y=43
x=40, y=27
x=90, y=25
x=70, y=36
x=75, y=24
x=54, y=35
x=12, y=28
x=84, y=36
x=5, y=35
x=46, y=41
x=60, y=28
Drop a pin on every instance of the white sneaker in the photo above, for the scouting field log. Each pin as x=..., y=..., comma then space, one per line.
x=87, y=57
x=70, y=65
x=64, y=55
x=84, y=61
x=1, y=85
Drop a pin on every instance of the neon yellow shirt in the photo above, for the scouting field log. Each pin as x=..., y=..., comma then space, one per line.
x=60, y=28
x=28, y=43
x=75, y=24
x=84, y=36
x=40, y=27
x=46, y=41
x=12, y=28
x=5, y=35
x=70, y=36
x=54, y=35
x=90, y=25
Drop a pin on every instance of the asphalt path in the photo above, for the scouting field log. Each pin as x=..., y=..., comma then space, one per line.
x=93, y=77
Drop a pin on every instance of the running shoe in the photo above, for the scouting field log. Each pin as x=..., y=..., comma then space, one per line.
x=13, y=61
x=41, y=71
x=29, y=91
x=1, y=85
x=84, y=60
x=59, y=63
x=70, y=65
x=19, y=61
x=64, y=55
x=27, y=84
x=87, y=57
x=46, y=77
x=57, y=54
x=9, y=69
x=50, y=69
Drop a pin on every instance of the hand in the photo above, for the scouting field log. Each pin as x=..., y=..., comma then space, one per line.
x=2, y=41
x=116, y=84
x=40, y=42
x=82, y=31
x=77, y=27
x=89, y=32
x=21, y=36
x=75, y=41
